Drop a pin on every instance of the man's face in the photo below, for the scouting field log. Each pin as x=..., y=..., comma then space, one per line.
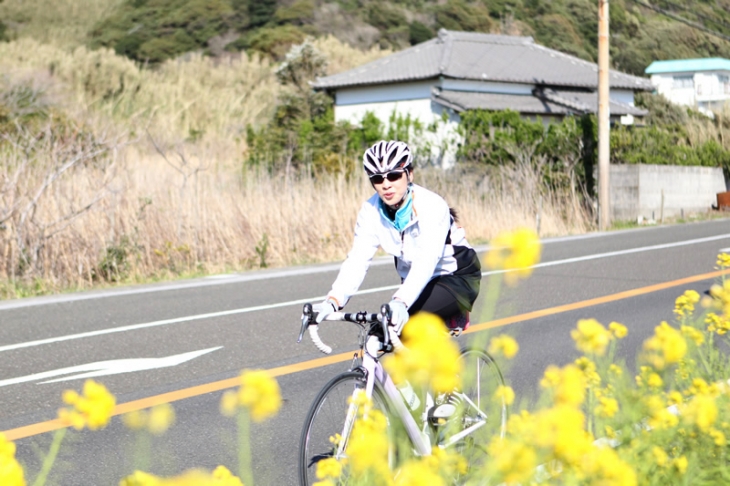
x=392, y=192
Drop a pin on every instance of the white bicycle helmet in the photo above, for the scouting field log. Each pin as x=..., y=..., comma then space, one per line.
x=386, y=156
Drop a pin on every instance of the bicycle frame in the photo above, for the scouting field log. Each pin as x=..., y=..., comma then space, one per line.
x=367, y=361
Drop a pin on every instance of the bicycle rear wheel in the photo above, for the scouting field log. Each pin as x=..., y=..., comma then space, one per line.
x=332, y=414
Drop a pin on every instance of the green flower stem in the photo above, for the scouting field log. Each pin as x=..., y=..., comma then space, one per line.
x=142, y=450
x=50, y=458
x=589, y=412
x=494, y=284
x=705, y=364
x=244, y=447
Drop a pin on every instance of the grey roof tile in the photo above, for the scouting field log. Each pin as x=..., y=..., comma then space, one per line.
x=539, y=103
x=477, y=56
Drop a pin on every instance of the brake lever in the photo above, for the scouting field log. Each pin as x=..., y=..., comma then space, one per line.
x=386, y=313
x=309, y=314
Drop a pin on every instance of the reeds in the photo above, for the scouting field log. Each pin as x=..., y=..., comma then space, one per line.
x=156, y=219
x=160, y=189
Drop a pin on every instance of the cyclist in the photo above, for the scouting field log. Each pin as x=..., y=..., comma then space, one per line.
x=440, y=272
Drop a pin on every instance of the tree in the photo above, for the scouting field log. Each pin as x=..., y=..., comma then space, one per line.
x=261, y=12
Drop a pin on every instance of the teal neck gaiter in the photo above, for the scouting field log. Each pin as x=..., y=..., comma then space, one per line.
x=402, y=216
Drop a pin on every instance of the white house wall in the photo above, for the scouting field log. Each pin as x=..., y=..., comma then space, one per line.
x=442, y=143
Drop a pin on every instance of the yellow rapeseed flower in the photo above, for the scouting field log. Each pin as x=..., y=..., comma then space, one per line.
x=503, y=345
x=562, y=429
x=660, y=456
x=157, y=420
x=367, y=448
x=717, y=324
x=515, y=461
x=701, y=411
x=723, y=260
x=446, y=462
x=615, y=369
x=674, y=398
x=667, y=346
x=161, y=417
x=618, y=330
x=11, y=473
x=718, y=437
x=681, y=464
x=591, y=337
x=693, y=334
x=654, y=381
x=517, y=251
x=329, y=468
x=504, y=393
x=607, y=407
x=659, y=416
x=605, y=467
x=418, y=472
x=92, y=409
x=568, y=384
x=721, y=297
x=221, y=476
x=588, y=368
x=432, y=358
x=685, y=303
x=259, y=393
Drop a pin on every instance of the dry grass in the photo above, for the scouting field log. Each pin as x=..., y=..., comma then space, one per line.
x=342, y=56
x=194, y=97
x=159, y=219
x=166, y=196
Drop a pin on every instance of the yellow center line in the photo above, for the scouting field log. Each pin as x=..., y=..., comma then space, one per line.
x=51, y=425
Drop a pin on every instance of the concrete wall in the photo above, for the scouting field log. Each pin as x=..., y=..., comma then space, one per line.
x=636, y=190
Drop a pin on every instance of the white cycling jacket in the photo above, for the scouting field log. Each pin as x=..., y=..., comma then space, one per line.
x=421, y=250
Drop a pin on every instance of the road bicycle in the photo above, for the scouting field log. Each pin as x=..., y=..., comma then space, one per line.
x=332, y=415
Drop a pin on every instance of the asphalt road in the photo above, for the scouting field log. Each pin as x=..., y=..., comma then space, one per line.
x=252, y=320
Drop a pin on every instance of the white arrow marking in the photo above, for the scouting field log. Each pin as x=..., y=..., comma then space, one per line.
x=112, y=367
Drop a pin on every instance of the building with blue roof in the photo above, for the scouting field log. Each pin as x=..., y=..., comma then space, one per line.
x=703, y=84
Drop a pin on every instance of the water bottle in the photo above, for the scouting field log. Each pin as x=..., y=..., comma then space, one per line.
x=409, y=395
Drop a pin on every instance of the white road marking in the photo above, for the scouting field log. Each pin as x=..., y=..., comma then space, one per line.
x=112, y=367
x=245, y=310
x=239, y=278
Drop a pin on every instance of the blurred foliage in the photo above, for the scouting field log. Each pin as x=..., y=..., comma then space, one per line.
x=564, y=152
x=303, y=133
x=154, y=30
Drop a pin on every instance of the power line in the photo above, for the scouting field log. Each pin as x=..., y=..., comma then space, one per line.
x=676, y=17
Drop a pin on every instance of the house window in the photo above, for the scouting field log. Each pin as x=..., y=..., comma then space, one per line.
x=684, y=82
x=724, y=84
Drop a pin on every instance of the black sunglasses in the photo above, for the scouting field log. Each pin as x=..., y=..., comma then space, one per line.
x=392, y=176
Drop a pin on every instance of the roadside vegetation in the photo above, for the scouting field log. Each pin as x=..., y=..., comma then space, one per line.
x=191, y=144
x=597, y=420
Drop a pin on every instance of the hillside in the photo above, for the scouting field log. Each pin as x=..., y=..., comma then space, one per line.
x=155, y=30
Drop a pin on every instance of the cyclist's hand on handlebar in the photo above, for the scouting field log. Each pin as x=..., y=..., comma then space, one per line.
x=323, y=309
x=398, y=314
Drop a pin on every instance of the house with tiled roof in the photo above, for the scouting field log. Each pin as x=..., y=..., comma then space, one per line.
x=703, y=84
x=458, y=71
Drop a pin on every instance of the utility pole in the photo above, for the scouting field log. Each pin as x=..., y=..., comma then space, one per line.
x=604, y=209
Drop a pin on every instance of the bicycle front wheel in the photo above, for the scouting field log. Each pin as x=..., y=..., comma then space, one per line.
x=479, y=416
x=329, y=422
